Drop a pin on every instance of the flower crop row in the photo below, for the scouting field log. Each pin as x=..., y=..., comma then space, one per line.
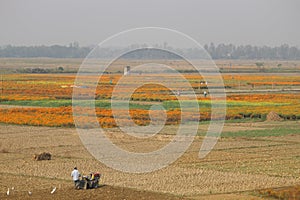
x=63, y=117
x=57, y=86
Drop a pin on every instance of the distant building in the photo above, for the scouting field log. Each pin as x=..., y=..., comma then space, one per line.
x=127, y=70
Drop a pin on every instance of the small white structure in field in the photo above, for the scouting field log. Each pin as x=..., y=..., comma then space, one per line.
x=53, y=190
x=127, y=70
x=7, y=193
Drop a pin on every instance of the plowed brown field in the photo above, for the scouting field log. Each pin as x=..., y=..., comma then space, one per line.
x=236, y=169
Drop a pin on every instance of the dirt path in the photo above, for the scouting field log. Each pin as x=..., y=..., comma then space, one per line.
x=105, y=192
x=17, y=106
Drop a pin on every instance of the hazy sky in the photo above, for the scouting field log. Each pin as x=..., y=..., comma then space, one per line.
x=257, y=22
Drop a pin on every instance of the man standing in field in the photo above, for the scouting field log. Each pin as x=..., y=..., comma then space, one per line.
x=75, y=175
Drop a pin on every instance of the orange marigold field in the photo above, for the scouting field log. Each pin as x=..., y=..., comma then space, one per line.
x=60, y=86
x=63, y=117
x=32, y=87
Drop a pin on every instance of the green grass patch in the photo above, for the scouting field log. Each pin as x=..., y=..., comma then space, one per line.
x=279, y=131
x=68, y=102
x=168, y=105
x=244, y=120
x=39, y=103
x=246, y=103
x=207, y=104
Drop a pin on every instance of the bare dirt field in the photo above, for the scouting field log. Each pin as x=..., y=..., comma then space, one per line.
x=235, y=169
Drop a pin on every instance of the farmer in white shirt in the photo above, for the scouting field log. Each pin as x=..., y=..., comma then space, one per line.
x=75, y=175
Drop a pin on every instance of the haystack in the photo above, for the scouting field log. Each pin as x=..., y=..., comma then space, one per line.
x=42, y=156
x=273, y=116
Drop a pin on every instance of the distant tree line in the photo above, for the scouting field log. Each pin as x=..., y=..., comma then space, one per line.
x=223, y=51
x=220, y=51
x=55, y=51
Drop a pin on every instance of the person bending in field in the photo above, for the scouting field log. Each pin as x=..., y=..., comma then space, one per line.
x=75, y=175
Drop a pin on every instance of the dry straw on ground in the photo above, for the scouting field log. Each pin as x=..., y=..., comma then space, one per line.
x=273, y=116
x=42, y=156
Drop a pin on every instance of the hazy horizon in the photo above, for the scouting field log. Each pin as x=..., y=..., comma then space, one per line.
x=239, y=22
